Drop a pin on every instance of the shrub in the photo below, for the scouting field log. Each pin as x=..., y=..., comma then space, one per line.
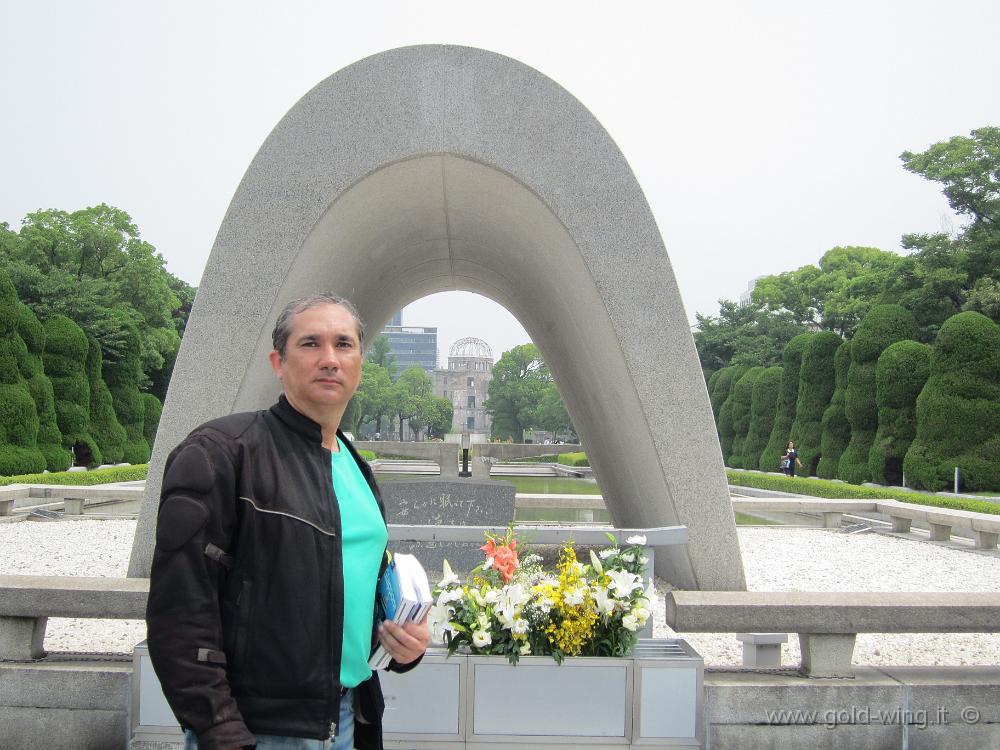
x=788, y=396
x=825, y=488
x=763, y=403
x=104, y=425
x=82, y=478
x=123, y=376
x=57, y=458
x=19, y=422
x=836, y=428
x=65, y=363
x=817, y=380
x=573, y=459
x=958, y=410
x=882, y=326
x=742, y=397
x=366, y=454
x=900, y=374
x=723, y=383
x=726, y=429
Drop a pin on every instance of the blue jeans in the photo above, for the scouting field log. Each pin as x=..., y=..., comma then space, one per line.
x=344, y=741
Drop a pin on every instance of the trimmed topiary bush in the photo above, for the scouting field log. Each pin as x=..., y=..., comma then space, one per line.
x=19, y=453
x=763, y=404
x=742, y=398
x=57, y=458
x=817, y=380
x=882, y=326
x=836, y=428
x=104, y=425
x=900, y=375
x=150, y=417
x=726, y=430
x=788, y=396
x=65, y=363
x=958, y=410
x=573, y=459
x=123, y=377
x=723, y=383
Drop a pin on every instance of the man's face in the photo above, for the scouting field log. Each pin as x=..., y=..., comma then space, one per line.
x=322, y=365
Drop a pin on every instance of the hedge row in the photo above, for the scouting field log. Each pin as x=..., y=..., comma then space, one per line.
x=843, y=491
x=573, y=459
x=82, y=478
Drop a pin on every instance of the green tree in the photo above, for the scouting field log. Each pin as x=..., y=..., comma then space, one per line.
x=86, y=263
x=836, y=294
x=520, y=378
x=763, y=404
x=958, y=410
x=743, y=335
x=57, y=458
x=882, y=326
x=409, y=392
x=19, y=453
x=433, y=414
x=151, y=409
x=788, y=396
x=104, y=424
x=552, y=414
x=380, y=353
x=742, y=401
x=722, y=382
x=900, y=374
x=836, y=428
x=373, y=397
x=817, y=379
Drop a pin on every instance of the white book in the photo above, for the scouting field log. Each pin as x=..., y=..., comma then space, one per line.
x=403, y=594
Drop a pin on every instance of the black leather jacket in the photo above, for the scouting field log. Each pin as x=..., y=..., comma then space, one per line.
x=245, y=613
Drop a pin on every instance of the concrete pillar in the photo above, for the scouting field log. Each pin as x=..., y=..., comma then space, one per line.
x=985, y=539
x=21, y=638
x=447, y=458
x=832, y=520
x=73, y=506
x=900, y=525
x=827, y=654
x=940, y=532
x=762, y=650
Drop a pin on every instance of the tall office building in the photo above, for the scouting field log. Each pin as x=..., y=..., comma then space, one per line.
x=412, y=345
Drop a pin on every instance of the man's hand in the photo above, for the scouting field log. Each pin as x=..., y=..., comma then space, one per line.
x=405, y=643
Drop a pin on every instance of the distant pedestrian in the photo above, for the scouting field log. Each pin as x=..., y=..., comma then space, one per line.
x=790, y=459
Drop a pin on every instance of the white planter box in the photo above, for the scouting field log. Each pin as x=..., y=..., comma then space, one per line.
x=652, y=698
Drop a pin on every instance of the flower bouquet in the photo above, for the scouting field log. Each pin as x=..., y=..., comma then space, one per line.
x=514, y=608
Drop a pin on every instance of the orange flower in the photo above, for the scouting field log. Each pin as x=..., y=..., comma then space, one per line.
x=504, y=556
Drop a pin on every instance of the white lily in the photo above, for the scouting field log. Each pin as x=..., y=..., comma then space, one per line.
x=449, y=578
x=574, y=596
x=605, y=604
x=629, y=622
x=492, y=596
x=596, y=562
x=623, y=582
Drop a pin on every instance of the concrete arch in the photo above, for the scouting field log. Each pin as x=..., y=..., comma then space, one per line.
x=431, y=168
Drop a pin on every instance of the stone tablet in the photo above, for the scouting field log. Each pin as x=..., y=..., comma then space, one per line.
x=437, y=502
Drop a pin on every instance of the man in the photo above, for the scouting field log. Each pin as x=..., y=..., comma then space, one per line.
x=270, y=539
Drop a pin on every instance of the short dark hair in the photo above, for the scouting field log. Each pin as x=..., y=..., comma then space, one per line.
x=283, y=326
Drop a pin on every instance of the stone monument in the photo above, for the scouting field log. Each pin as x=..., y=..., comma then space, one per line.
x=433, y=168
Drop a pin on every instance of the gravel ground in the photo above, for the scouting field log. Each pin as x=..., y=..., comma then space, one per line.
x=775, y=559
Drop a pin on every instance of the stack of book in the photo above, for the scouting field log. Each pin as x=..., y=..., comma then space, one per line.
x=403, y=594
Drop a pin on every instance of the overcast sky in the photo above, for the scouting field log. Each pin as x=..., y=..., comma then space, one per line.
x=763, y=133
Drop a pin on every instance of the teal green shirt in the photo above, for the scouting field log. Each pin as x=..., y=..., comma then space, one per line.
x=363, y=538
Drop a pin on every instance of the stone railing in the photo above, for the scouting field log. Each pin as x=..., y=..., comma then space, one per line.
x=26, y=602
x=983, y=527
x=73, y=498
x=827, y=623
